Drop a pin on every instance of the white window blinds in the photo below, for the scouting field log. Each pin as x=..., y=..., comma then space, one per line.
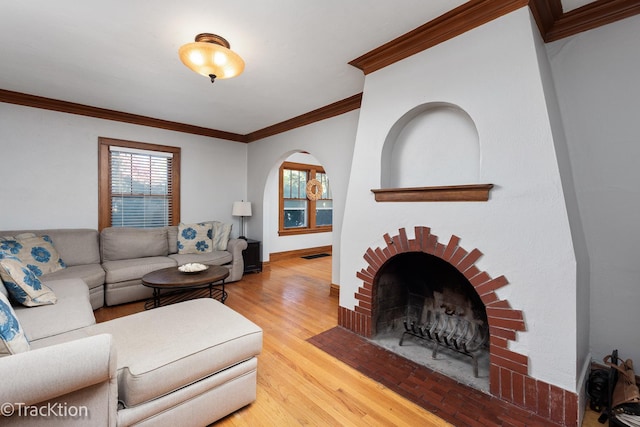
x=141, y=187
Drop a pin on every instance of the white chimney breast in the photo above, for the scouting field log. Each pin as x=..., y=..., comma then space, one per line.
x=523, y=230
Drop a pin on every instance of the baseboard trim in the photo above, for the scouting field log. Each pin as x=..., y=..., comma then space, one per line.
x=277, y=256
x=334, y=290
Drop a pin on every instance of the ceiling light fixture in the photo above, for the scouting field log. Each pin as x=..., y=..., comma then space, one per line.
x=211, y=56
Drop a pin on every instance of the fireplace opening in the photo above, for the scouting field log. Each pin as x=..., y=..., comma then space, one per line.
x=427, y=311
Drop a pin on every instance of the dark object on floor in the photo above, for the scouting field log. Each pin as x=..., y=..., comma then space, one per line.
x=314, y=256
x=598, y=389
x=621, y=412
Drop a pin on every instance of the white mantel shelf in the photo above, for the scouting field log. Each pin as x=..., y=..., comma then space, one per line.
x=448, y=193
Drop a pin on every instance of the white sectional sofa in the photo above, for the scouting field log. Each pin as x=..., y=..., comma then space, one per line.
x=186, y=364
x=112, y=262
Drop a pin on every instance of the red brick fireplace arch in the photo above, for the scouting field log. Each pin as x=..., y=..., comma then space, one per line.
x=509, y=371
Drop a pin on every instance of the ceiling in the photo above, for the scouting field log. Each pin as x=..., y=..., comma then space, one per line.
x=122, y=55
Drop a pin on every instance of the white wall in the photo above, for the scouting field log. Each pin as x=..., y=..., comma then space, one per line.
x=331, y=142
x=49, y=175
x=523, y=230
x=596, y=75
x=582, y=313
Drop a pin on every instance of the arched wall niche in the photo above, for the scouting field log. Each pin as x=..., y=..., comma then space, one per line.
x=433, y=144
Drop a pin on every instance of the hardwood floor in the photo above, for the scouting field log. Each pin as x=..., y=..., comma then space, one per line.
x=299, y=384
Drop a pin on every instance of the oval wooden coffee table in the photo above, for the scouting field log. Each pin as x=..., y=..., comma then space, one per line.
x=176, y=285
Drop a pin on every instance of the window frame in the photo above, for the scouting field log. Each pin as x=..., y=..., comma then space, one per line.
x=311, y=204
x=104, y=177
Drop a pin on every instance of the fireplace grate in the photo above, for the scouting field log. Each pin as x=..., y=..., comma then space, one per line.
x=447, y=330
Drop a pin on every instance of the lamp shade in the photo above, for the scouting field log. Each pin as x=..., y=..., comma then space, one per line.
x=241, y=209
x=211, y=56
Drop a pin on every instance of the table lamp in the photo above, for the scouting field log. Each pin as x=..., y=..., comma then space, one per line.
x=241, y=209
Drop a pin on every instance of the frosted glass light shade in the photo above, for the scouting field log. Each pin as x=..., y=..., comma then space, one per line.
x=210, y=56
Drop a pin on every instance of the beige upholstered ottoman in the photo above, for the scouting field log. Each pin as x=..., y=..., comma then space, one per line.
x=196, y=358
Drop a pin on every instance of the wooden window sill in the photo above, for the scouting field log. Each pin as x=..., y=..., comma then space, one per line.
x=450, y=193
x=296, y=231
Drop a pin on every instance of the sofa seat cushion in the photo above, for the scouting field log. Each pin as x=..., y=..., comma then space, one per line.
x=209, y=258
x=167, y=348
x=91, y=274
x=132, y=269
x=72, y=311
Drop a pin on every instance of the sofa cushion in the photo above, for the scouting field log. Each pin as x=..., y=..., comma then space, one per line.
x=195, y=238
x=36, y=252
x=129, y=243
x=167, y=348
x=76, y=246
x=209, y=258
x=12, y=338
x=91, y=274
x=3, y=289
x=220, y=238
x=221, y=235
x=132, y=269
x=23, y=285
x=72, y=311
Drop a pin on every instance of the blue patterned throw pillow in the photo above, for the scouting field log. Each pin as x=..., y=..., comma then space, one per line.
x=23, y=284
x=37, y=252
x=194, y=238
x=12, y=338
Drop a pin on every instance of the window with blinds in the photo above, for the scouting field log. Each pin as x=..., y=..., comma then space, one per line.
x=141, y=185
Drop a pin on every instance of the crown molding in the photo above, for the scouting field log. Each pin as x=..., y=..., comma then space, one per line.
x=550, y=19
x=340, y=107
x=545, y=13
x=326, y=112
x=554, y=24
x=27, y=100
x=453, y=23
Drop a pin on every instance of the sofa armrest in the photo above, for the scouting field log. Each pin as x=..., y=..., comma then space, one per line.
x=236, y=246
x=82, y=370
